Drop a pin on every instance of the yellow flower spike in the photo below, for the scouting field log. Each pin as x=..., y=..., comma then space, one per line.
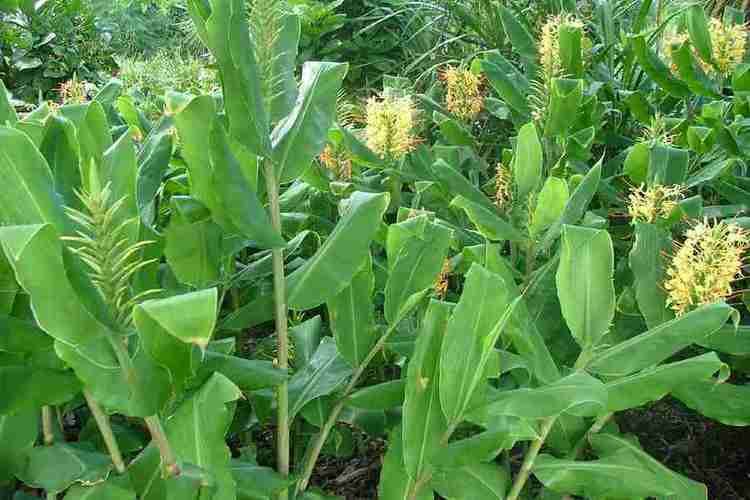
x=653, y=203
x=390, y=126
x=441, y=283
x=705, y=265
x=728, y=45
x=337, y=161
x=73, y=91
x=549, y=44
x=464, y=93
x=503, y=186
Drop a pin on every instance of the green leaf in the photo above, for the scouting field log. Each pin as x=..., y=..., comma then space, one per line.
x=26, y=387
x=115, y=488
x=565, y=101
x=29, y=194
x=424, y=424
x=626, y=450
x=326, y=371
x=550, y=205
x=228, y=36
x=571, y=53
x=352, y=316
x=726, y=403
x=334, y=265
x=236, y=197
x=654, y=383
x=659, y=343
x=120, y=170
x=647, y=264
x=528, y=162
x=523, y=42
x=383, y=396
x=576, y=206
x=301, y=136
x=604, y=478
x=395, y=483
x=668, y=165
x=93, y=135
x=585, y=283
x=656, y=69
x=637, y=162
x=508, y=82
x=18, y=432
x=193, y=250
x=258, y=483
x=413, y=263
x=7, y=111
x=60, y=149
x=579, y=394
x=153, y=162
x=488, y=222
x=700, y=37
x=284, y=63
x=196, y=432
x=730, y=340
x=486, y=481
x=247, y=374
x=458, y=185
x=482, y=447
x=479, y=318
x=691, y=73
x=56, y=467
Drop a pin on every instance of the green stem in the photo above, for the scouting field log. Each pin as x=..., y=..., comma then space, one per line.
x=153, y=422
x=320, y=439
x=49, y=435
x=282, y=335
x=102, y=421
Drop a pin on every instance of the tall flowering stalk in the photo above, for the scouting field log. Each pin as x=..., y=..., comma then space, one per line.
x=390, y=126
x=464, y=92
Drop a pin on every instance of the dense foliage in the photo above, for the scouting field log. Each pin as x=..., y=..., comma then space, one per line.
x=479, y=241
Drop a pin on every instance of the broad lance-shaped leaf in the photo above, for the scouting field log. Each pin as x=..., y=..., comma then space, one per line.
x=55, y=468
x=170, y=328
x=488, y=222
x=93, y=132
x=654, y=383
x=413, y=262
x=657, y=344
x=225, y=29
x=395, y=483
x=352, y=316
x=485, y=481
x=7, y=111
x=236, y=197
x=607, y=477
x=456, y=184
x=28, y=196
x=114, y=488
x=528, y=162
x=301, y=136
x=579, y=394
x=423, y=421
x=61, y=150
x=193, y=250
x=196, y=432
x=503, y=434
x=283, y=82
x=576, y=206
x=655, y=67
x=550, y=205
x=153, y=162
x=474, y=327
x=647, y=264
x=383, y=396
x=326, y=371
x=726, y=403
x=258, y=483
x=18, y=432
x=625, y=449
x=247, y=374
x=584, y=283
x=334, y=265
x=30, y=387
x=508, y=82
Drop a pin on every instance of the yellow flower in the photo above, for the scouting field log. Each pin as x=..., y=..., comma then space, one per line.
x=390, y=126
x=337, y=161
x=671, y=42
x=464, y=93
x=549, y=44
x=73, y=91
x=441, y=283
x=503, y=186
x=728, y=45
x=705, y=265
x=654, y=203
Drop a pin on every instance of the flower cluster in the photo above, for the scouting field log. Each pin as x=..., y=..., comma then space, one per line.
x=441, y=283
x=653, y=203
x=503, y=186
x=464, y=92
x=74, y=91
x=705, y=265
x=337, y=161
x=391, y=123
x=727, y=45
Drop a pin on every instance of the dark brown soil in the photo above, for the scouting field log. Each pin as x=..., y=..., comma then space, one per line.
x=355, y=478
x=716, y=455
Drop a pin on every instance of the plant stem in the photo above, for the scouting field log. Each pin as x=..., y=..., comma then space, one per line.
x=102, y=421
x=153, y=422
x=168, y=459
x=528, y=461
x=282, y=335
x=333, y=416
x=49, y=436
